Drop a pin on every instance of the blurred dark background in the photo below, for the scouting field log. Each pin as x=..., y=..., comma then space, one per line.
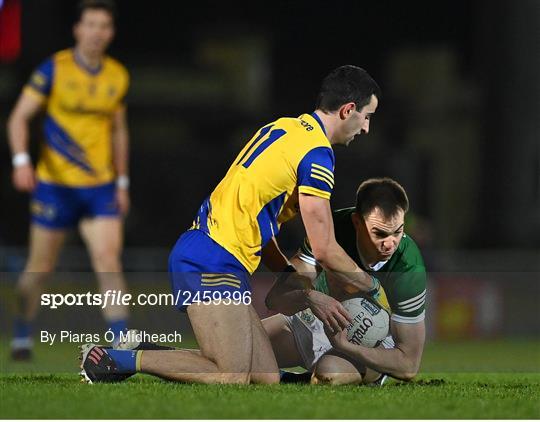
x=458, y=123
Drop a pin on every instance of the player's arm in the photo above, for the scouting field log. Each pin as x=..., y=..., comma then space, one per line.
x=293, y=292
x=273, y=258
x=402, y=361
x=25, y=109
x=289, y=293
x=317, y=218
x=120, y=141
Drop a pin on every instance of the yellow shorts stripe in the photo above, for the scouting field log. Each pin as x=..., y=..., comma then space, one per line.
x=216, y=280
x=221, y=283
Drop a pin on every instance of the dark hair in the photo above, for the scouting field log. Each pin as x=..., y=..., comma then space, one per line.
x=347, y=84
x=107, y=5
x=383, y=193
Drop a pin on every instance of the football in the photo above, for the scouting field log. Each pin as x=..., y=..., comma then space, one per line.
x=371, y=323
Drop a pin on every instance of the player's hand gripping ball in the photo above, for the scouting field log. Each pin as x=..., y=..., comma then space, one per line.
x=371, y=323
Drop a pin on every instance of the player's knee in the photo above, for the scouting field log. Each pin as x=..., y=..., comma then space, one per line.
x=106, y=260
x=335, y=378
x=408, y=376
x=323, y=378
x=39, y=266
x=235, y=378
x=30, y=280
x=265, y=378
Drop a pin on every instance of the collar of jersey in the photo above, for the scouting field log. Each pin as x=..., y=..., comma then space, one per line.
x=375, y=267
x=83, y=66
x=319, y=121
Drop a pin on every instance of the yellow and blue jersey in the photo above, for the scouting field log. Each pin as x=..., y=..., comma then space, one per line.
x=260, y=190
x=79, y=104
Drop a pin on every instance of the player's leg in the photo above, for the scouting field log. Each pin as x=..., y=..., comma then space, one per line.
x=224, y=328
x=229, y=332
x=282, y=341
x=44, y=247
x=336, y=368
x=54, y=210
x=103, y=237
x=229, y=352
x=264, y=368
x=102, y=231
x=224, y=335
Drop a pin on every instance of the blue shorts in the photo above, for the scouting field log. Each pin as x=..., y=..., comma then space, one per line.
x=200, y=270
x=61, y=207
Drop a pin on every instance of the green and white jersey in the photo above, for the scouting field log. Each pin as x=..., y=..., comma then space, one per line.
x=403, y=276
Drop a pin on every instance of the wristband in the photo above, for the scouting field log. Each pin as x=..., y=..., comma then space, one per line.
x=376, y=286
x=122, y=182
x=20, y=159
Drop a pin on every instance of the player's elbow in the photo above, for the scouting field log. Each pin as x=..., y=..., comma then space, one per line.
x=408, y=376
x=326, y=254
x=409, y=373
x=321, y=255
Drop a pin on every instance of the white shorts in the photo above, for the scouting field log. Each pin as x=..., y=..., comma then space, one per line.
x=310, y=338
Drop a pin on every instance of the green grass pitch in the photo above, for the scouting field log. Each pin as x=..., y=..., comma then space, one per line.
x=495, y=379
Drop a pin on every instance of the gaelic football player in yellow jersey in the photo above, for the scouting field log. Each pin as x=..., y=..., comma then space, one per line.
x=81, y=176
x=288, y=166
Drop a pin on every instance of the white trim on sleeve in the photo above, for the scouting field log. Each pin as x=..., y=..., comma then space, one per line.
x=409, y=320
x=307, y=259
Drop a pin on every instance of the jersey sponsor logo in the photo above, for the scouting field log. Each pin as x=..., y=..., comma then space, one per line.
x=306, y=125
x=82, y=109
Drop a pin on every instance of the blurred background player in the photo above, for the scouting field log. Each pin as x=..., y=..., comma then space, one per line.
x=288, y=166
x=82, y=173
x=372, y=233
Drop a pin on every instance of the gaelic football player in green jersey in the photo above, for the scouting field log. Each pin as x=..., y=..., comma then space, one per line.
x=372, y=233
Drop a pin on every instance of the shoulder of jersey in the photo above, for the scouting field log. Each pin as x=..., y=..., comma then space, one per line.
x=409, y=247
x=63, y=56
x=408, y=242
x=309, y=132
x=115, y=66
